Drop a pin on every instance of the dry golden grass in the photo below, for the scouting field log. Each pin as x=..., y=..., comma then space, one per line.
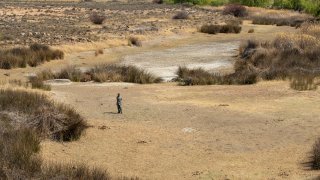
x=102, y=73
x=295, y=56
x=33, y=56
x=92, y=46
x=277, y=17
x=35, y=111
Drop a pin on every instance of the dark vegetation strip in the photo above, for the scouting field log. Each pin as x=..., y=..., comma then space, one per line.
x=217, y=28
x=100, y=73
x=308, y=6
x=33, y=56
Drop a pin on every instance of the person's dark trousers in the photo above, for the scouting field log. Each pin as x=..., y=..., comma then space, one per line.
x=119, y=109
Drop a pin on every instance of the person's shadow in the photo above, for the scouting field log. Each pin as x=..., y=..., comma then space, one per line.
x=110, y=113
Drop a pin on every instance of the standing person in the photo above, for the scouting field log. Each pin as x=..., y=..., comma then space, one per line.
x=119, y=103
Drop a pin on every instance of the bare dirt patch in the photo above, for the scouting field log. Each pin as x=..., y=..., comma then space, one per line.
x=264, y=132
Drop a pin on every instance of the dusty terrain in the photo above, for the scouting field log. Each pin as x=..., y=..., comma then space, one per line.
x=262, y=131
x=56, y=23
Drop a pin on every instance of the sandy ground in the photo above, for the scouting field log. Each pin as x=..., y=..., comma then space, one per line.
x=263, y=131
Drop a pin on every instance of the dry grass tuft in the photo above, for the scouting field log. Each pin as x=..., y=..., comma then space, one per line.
x=19, y=158
x=33, y=56
x=215, y=28
x=134, y=41
x=201, y=77
x=24, y=117
x=116, y=73
x=280, y=18
x=36, y=111
x=71, y=171
x=181, y=15
x=103, y=73
x=293, y=56
x=96, y=18
x=37, y=83
x=289, y=56
x=316, y=155
x=236, y=10
x=303, y=82
x=98, y=52
x=158, y=1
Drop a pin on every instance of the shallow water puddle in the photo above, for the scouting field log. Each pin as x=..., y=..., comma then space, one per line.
x=164, y=63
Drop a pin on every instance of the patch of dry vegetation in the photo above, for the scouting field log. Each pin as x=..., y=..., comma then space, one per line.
x=316, y=155
x=293, y=56
x=217, y=28
x=37, y=83
x=134, y=41
x=19, y=158
x=293, y=21
x=35, y=111
x=236, y=10
x=96, y=18
x=158, y=1
x=25, y=118
x=181, y=15
x=118, y=73
x=98, y=52
x=33, y=56
x=199, y=76
x=289, y=56
x=102, y=73
x=278, y=17
x=286, y=54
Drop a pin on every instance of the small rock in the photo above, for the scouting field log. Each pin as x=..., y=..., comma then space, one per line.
x=103, y=127
x=141, y=142
x=188, y=130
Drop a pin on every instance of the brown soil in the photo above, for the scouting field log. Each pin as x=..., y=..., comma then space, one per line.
x=263, y=131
